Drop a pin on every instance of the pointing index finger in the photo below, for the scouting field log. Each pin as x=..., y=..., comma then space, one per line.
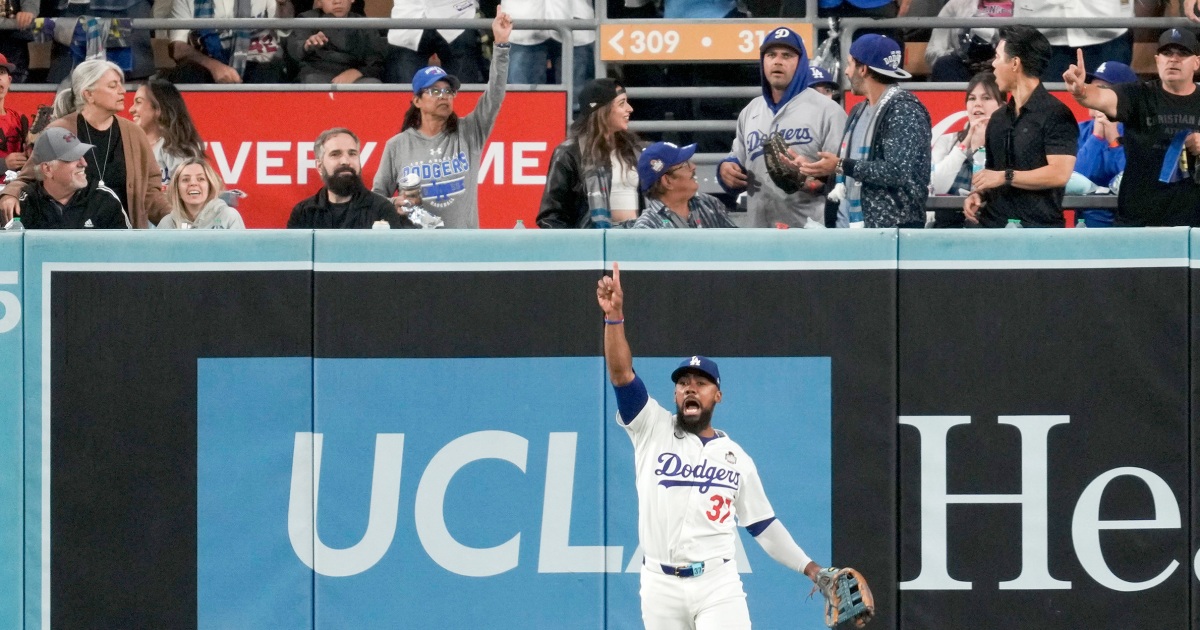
x=616, y=276
x=1079, y=60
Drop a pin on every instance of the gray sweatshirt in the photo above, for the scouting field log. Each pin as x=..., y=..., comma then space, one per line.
x=215, y=215
x=448, y=163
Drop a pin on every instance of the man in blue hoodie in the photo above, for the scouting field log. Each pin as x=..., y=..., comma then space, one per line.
x=810, y=123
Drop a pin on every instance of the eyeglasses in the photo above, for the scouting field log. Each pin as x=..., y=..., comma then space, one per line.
x=680, y=167
x=440, y=92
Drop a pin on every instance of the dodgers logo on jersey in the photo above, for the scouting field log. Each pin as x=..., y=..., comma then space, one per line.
x=794, y=136
x=702, y=476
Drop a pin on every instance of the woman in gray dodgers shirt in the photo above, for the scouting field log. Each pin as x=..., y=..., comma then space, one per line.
x=444, y=150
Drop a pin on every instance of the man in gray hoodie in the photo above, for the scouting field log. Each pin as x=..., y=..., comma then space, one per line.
x=808, y=121
x=441, y=148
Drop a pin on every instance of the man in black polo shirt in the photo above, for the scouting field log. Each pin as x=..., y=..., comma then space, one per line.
x=1162, y=146
x=1030, y=143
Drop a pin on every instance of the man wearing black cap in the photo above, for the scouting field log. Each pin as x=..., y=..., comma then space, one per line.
x=62, y=196
x=13, y=126
x=668, y=178
x=689, y=578
x=1160, y=185
x=808, y=121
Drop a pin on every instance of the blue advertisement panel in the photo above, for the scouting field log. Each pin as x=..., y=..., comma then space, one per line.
x=11, y=413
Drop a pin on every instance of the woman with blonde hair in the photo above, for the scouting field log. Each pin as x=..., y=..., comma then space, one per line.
x=593, y=179
x=121, y=157
x=195, y=200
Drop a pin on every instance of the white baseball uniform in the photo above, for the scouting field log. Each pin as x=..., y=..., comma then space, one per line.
x=692, y=494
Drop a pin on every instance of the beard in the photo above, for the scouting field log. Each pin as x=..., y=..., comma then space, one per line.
x=344, y=181
x=694, y=425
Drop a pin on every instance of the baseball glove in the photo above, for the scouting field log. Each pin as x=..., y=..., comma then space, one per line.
x=775, y=154
x=847, y=596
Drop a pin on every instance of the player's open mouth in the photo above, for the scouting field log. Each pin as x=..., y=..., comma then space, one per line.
x=691, y=406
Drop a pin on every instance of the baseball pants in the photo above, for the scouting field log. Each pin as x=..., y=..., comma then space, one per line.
x=712, y=601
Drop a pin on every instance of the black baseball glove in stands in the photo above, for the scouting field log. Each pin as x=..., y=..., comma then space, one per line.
x=785, y=176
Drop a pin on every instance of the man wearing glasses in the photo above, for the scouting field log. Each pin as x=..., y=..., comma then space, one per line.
x=1160, y=186
x=441, y=148
x=667, y=177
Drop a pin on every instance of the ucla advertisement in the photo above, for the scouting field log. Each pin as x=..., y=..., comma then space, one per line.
x=421, y=480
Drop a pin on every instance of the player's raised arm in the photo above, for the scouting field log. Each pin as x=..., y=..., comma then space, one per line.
x=616, y=348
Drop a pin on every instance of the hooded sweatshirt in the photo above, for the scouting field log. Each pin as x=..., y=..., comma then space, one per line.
x=809, y=121
x=215, y=215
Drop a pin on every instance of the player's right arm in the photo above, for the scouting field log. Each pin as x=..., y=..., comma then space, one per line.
x=616, y=348
x=632, y=396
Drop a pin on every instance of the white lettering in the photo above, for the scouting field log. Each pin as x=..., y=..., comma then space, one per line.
x=266, y=160
x=431, y=494
x=367, y=150
x=520, y=163
x=1086, y=526
x=381, y=517
x=494, y=153
x=305, y=161
x=1035, y=574
x=556, y=554
x=231, y=175
x=10, y=302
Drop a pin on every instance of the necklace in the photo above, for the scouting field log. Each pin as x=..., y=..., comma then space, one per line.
x=100, y=166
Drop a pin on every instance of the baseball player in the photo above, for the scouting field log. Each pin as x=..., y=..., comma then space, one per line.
x=694, y=484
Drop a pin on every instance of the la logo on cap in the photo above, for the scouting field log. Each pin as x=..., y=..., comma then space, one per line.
x=656, y=165
x=818, y=74
x=1101, y=68
x=694, y=361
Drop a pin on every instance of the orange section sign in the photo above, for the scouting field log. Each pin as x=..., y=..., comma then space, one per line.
x=664, y=41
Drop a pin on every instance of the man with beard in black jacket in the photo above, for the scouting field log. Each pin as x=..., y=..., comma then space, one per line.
x=344, y=203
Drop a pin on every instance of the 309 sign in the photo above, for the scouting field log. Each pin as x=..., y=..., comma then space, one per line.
x=659, y=41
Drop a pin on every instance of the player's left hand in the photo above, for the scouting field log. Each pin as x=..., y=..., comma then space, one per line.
x=987, y=179
x=1192, y=143
x=502, y=26
x=823, y=167
x=609, y=295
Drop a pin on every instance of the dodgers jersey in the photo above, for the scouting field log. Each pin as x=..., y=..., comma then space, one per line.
x=691, y=495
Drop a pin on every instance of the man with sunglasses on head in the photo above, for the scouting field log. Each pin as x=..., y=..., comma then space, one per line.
x=1162, y=143
x=441, y=148
x=667, y=177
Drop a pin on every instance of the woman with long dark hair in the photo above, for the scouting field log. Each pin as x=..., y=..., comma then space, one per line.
x=593, y=179
x=158, y=108
x=121, y=158
x=954, y=155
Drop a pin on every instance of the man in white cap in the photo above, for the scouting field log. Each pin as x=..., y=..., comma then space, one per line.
x=1162, y=143
x=62, y=196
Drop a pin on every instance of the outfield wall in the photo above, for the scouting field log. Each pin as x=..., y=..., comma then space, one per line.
x=402, y=429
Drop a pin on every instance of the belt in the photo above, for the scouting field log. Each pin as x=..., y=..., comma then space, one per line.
x=695, y=569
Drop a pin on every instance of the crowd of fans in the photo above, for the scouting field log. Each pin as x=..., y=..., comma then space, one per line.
x=1019, y=151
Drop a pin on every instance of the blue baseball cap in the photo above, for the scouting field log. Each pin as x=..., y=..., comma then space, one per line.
x=881, y=54
x=782, y=36
x=818, y=76
x=1113, y=72
x=703, y=365
x=657, y=159
x=427, y=76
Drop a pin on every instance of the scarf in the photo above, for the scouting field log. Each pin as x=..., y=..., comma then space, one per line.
x=854, y=196
x=89, y=38
x=596, y=181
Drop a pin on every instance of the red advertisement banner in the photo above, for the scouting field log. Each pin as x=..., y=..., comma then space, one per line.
x=261, y=143
x=947, y=109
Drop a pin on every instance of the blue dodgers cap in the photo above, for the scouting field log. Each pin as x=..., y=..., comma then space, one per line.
x=657, y=159
x=703, y=365
x=818, y=76
x=427, y=76
x=879, y=53
x=782, y=36
x=1113, y=73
